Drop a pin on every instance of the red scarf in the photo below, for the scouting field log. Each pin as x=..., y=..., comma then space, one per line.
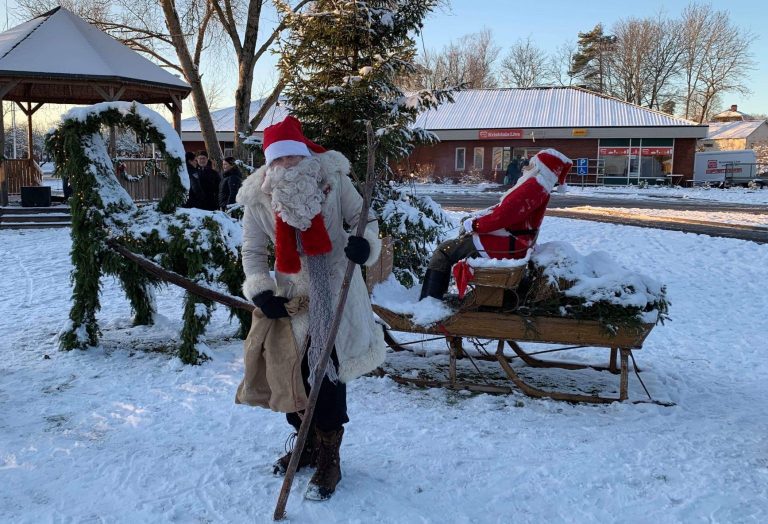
x=314, y=240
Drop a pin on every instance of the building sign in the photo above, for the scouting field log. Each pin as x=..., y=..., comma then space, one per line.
x=619, y=151
x=579, y=132
x=582, y=166
x=496, y=134
x=657, y=151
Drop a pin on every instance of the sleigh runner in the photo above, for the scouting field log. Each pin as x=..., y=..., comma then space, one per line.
x=489, y=312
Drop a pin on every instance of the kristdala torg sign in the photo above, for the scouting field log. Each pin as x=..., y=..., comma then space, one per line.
x=496, y=134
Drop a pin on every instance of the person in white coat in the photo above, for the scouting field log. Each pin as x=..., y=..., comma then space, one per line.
x=300, y=201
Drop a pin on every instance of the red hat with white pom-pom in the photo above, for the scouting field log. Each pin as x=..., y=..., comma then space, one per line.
x=553, y=162
x=286, y=139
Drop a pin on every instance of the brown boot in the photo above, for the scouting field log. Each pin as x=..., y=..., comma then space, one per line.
x=308, y=454
x=328, y=474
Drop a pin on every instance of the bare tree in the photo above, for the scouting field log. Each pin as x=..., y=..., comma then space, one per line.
x=525, y=65
x=715, y=60
x=468, y=62
x=247, y=56
x=559, y=65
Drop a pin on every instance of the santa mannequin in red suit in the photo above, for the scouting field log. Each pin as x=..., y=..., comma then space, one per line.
x=506, y=230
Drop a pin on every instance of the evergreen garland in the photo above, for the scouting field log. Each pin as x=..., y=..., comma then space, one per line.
x=192, y=244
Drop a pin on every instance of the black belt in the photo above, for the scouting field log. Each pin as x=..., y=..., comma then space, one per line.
x=518, y=232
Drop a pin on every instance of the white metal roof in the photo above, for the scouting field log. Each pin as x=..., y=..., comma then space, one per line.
x=737, y=129
x=60, y=43
x=549, y=107
x=541, y=107
x=224, y=119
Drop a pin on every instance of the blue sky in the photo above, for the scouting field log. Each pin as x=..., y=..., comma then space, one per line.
x=552, y=22
x=548, y=22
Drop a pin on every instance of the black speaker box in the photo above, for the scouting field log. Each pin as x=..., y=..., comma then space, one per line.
x=36, y=196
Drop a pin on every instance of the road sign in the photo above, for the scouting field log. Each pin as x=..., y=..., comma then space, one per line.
x=581, y=166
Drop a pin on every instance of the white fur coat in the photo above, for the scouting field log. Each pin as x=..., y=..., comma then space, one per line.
x=359, y=341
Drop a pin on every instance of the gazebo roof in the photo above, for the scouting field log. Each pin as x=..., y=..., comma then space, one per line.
x=60, y=58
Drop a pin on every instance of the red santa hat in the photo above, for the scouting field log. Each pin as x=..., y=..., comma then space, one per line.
x=553, y=162
x=286, y=139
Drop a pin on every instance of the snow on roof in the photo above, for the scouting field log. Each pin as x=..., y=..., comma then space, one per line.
x=60, y=43
x=541, y=107
x=224, y=119
x=737, y=129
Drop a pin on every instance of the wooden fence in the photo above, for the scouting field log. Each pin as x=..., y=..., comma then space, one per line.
x=20, y=173
x=142, y=183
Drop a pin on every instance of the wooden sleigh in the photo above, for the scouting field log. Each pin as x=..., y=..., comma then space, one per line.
x=482, y=315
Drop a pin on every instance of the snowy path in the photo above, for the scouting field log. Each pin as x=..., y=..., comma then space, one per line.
x=120, y=434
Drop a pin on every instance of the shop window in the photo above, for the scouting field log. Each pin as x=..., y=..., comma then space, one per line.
x=461, y=154
x=501, y=158
x=478, y=158
x=656, y=157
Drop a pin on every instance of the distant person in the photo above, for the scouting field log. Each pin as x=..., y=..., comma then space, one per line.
x=209, y=181
x=513, y=171
x=231, y=180
x=195, y=197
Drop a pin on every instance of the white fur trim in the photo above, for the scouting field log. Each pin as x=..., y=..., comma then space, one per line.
x=479, y=246
x=372, y=236
x=250, y=193
x=334, y=162
x=350, y=369
x=285, y=148
x=255, y=284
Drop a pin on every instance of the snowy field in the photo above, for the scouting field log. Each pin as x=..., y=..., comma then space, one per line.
x=720, y=217
x=126, y=433
x=733, y=195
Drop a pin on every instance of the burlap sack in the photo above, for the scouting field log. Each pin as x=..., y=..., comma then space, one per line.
x=273, y=363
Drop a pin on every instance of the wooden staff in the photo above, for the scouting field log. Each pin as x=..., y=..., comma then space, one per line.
x=184, y=283
x=325, y=356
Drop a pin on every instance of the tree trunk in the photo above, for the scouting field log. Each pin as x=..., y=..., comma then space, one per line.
x=245, y=76
x=193, y=78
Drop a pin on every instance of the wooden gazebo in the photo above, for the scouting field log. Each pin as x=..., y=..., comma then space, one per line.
x=59, y=58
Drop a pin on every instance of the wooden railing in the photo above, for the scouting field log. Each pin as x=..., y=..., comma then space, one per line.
x=140, y=185
x=20, y=173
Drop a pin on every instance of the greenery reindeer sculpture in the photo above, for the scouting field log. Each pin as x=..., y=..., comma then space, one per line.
x=201, y=246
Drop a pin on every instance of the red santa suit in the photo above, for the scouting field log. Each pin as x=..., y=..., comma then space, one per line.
x=509, y=229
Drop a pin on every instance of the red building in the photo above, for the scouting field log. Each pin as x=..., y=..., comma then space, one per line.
x=614, y=142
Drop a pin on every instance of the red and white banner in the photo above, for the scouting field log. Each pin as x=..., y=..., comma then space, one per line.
x=634, y=151
x=657, y=151
x=496, y=134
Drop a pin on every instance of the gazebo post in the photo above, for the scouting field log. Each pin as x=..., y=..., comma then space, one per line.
x=175, y=108
x=3, y=181
x=30, y=147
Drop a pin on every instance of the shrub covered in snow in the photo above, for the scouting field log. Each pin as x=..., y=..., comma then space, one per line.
x=199, y=245
x=416, y=223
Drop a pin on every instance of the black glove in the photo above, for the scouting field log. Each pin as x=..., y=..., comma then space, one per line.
x=358, y=249
x=272, y=306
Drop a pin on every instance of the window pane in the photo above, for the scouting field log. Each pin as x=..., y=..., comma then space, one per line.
x=498, y=158
x=460, y=154
x=614, y=142
x=668, y=142
x=478, y=162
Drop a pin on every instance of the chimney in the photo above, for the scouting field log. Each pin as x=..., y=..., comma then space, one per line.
x=734, y=107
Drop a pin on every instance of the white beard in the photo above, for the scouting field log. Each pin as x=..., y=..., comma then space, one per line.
x=296, y=192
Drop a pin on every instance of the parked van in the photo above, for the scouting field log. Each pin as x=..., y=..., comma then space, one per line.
x=725, y=167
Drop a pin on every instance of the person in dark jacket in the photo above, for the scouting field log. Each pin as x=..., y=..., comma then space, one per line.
x=209, y=182
x=514, y=169
x=231, y=180
x=195, y=197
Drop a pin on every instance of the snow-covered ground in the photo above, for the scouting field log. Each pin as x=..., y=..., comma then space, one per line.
x=747, y=219
x=126, y=433
x=733, y=195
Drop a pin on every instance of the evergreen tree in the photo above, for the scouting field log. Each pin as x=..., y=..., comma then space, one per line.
x=340, y=61
x=591, y=64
